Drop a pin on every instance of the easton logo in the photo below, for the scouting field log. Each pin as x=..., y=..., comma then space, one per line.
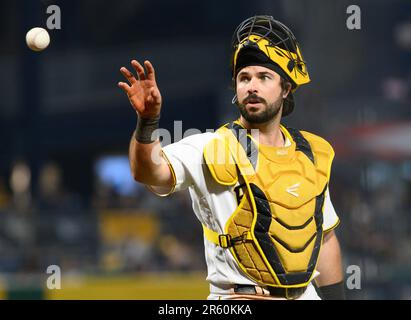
x=293, y=189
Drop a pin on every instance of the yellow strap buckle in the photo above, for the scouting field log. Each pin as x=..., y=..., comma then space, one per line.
x=224, y=240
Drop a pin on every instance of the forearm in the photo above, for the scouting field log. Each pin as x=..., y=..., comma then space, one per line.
x=147, y=163
x=330, y=262
x=331, y=280
x=140, y=156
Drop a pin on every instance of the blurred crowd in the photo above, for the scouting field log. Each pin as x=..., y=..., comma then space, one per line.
x=58, y=227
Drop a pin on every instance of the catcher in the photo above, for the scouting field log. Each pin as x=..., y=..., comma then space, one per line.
x=259, y=188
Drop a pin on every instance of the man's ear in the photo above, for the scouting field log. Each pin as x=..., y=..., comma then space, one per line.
x=287, y=90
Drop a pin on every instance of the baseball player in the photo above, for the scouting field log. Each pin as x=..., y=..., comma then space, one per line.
x=258, y=187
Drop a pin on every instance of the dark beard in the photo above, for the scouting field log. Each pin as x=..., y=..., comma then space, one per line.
x=270, y=112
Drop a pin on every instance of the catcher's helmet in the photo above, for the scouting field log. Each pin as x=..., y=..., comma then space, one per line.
x=262, y=40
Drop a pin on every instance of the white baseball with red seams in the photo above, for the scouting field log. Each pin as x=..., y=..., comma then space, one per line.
x=37, y=39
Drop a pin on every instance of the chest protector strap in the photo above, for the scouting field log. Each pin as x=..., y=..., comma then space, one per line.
x=250, y=234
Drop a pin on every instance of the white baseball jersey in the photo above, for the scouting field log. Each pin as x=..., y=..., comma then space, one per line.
x=213, y=204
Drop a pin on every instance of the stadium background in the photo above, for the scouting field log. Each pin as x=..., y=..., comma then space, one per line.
x=66, y=196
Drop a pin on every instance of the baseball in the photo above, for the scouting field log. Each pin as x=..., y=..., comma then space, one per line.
x=37, y=39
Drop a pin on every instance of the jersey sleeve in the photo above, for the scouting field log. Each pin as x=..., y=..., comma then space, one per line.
x=185, y=159
x=331, y=219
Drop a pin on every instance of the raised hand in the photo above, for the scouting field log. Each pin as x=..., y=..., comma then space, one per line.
x=142, y=92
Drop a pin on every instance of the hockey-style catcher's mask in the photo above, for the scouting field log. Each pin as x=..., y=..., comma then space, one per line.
x=276, y=41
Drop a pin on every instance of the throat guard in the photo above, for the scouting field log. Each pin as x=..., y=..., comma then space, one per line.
x=276, y=232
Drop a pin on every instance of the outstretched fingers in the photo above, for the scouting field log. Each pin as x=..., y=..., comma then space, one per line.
x=124, y=86
x=139, y=69
x=128, y=75
x=151, y=75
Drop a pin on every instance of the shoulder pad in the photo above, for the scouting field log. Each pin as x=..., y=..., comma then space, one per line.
x=220, y=162
x=323, y=152
x=318, y=144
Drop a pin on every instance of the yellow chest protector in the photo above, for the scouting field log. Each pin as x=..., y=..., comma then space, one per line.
x=275, y=234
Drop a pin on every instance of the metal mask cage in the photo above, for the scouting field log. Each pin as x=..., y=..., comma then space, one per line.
x=275, y=32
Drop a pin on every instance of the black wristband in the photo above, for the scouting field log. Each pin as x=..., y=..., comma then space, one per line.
x=145, y=129
x=333, y=291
